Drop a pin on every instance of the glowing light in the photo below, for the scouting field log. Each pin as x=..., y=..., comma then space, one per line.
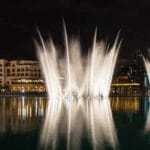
x=81, y=99
x=147, y=66
x=126, y=84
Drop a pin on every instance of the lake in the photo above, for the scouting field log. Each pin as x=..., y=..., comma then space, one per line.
x=21, y=120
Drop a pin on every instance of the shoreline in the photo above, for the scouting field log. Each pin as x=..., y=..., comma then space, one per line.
x=23, y=94
x=8, y=94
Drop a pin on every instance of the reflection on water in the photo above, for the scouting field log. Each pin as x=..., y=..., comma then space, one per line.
x=131, y=118
x=20, y=114
x=147, y=125
x=125, y=104
x=77, y=119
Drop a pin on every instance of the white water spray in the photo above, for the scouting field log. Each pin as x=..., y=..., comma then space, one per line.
x=147, y=66
x=79, y=103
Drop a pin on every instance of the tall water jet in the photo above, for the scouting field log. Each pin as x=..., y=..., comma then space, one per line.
x=147, y=67
x=79, y=103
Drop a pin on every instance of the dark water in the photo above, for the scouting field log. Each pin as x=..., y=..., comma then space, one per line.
x=21, y=120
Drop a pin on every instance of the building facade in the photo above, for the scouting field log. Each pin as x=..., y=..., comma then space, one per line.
x=21, y=76
x=125, y=86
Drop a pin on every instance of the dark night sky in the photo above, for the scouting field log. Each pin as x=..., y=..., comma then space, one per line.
x=18, y=21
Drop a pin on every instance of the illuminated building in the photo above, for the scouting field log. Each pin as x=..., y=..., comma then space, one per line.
x=125, y=86
x=129, y=79
x=21, y=76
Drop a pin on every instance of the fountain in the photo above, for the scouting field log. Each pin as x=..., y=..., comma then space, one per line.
x=147, y=66
x=78, y=88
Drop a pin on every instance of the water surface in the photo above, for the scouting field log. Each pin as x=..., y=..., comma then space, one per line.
x=21, y=119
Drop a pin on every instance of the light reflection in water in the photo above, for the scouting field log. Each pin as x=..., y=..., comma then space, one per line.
x=20, y=114
x=147, y=124
x=23, y=114
x=73, y=117
x=93, y=117
x=125, y=104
